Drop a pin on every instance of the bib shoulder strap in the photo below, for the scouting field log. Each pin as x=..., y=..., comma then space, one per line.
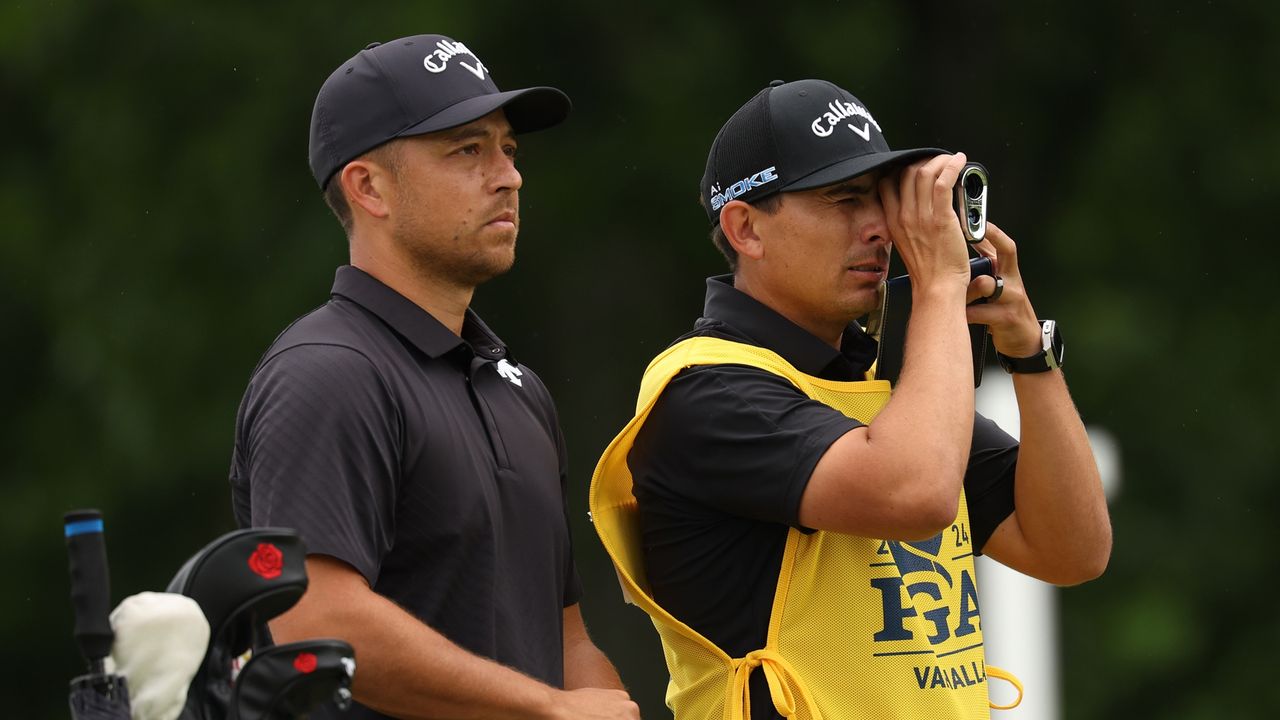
x=712, y=351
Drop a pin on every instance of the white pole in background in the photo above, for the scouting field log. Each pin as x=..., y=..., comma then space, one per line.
x=1020, y=614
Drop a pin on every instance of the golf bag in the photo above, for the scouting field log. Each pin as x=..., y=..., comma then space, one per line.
x=240, y=581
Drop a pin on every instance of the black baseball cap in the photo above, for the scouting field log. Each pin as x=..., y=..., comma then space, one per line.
x=795, y=136
x=412, y=86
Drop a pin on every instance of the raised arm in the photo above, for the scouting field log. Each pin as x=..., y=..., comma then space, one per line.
x=1060, y=531
x=899, y=478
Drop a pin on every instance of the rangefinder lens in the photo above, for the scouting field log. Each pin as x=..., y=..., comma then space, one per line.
x=973, y=185
x=971, y=202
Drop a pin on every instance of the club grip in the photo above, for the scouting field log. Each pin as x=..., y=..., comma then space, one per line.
x=90, y=583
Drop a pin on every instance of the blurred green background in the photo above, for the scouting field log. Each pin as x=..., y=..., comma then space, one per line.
x=161, y=226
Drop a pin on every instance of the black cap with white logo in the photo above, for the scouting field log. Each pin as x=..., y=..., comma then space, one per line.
x=795, y=136
x=412, y=86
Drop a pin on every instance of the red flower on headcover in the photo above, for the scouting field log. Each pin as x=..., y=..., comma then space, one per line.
x=305, y=662
x=267, y=561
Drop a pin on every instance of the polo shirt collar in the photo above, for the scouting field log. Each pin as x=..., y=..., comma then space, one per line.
x=769, y=329
x=412, y=322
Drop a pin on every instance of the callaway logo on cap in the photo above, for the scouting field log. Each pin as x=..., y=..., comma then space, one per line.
x=412, y=86
x=795, y=136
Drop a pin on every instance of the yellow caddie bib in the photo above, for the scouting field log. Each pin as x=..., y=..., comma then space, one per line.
x=860, y=627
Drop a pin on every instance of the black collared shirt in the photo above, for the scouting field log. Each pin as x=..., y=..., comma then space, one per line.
x=431, y=463
x=721, y=464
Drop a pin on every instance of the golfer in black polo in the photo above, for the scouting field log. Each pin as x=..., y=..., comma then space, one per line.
x=420, y=460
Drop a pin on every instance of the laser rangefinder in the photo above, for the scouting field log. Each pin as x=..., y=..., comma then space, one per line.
x=971, y=202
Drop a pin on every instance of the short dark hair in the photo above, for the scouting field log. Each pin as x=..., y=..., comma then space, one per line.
x=767, y=205
x=386, y=155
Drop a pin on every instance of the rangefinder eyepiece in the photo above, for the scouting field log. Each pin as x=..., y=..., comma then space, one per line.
x=971, y=202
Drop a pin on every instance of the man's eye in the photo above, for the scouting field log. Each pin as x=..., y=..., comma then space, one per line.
x=469, y=150
x=510, y=151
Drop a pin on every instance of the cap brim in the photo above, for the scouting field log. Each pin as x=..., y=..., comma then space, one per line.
x=854, y=167
x=530, y=109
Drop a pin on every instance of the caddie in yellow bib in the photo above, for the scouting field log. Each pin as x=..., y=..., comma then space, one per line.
x=801, y=533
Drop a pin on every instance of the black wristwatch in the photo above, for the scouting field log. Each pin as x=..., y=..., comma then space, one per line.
x=1049, y=357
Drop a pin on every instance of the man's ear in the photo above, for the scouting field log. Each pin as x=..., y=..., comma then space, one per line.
x=365, y=185
x=738, y=221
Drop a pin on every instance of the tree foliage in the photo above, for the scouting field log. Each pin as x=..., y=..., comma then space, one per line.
x=162, y=226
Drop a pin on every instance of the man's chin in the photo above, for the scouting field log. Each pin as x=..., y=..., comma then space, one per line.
x=486, y=269
x=861, y=303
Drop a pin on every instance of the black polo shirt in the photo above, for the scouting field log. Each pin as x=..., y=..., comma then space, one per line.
x=721, y=463
x=433, y=464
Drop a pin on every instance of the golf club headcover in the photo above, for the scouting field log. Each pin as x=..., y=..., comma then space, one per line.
x=161, y=639
x=240, y=580
x=288, y=681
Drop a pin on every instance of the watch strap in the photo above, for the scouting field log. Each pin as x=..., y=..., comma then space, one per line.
x=1049, y=357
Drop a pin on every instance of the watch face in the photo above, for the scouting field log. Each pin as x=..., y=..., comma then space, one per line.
x=1053, y=349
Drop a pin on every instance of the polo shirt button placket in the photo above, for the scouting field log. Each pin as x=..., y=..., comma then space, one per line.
x=476, y=386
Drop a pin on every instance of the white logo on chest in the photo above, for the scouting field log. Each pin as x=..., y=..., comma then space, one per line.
x=510, y=372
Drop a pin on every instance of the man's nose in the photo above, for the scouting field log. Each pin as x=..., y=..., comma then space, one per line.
x=505, y=176
x=876, y=231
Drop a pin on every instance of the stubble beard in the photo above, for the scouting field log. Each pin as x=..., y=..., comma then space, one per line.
x=464, y=260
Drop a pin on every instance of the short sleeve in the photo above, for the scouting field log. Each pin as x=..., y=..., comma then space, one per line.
x=988, y=481
x=317, y=445
x=736, y=439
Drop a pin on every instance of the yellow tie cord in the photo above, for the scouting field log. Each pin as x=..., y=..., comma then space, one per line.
x=995, y=672
x=781, y=678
